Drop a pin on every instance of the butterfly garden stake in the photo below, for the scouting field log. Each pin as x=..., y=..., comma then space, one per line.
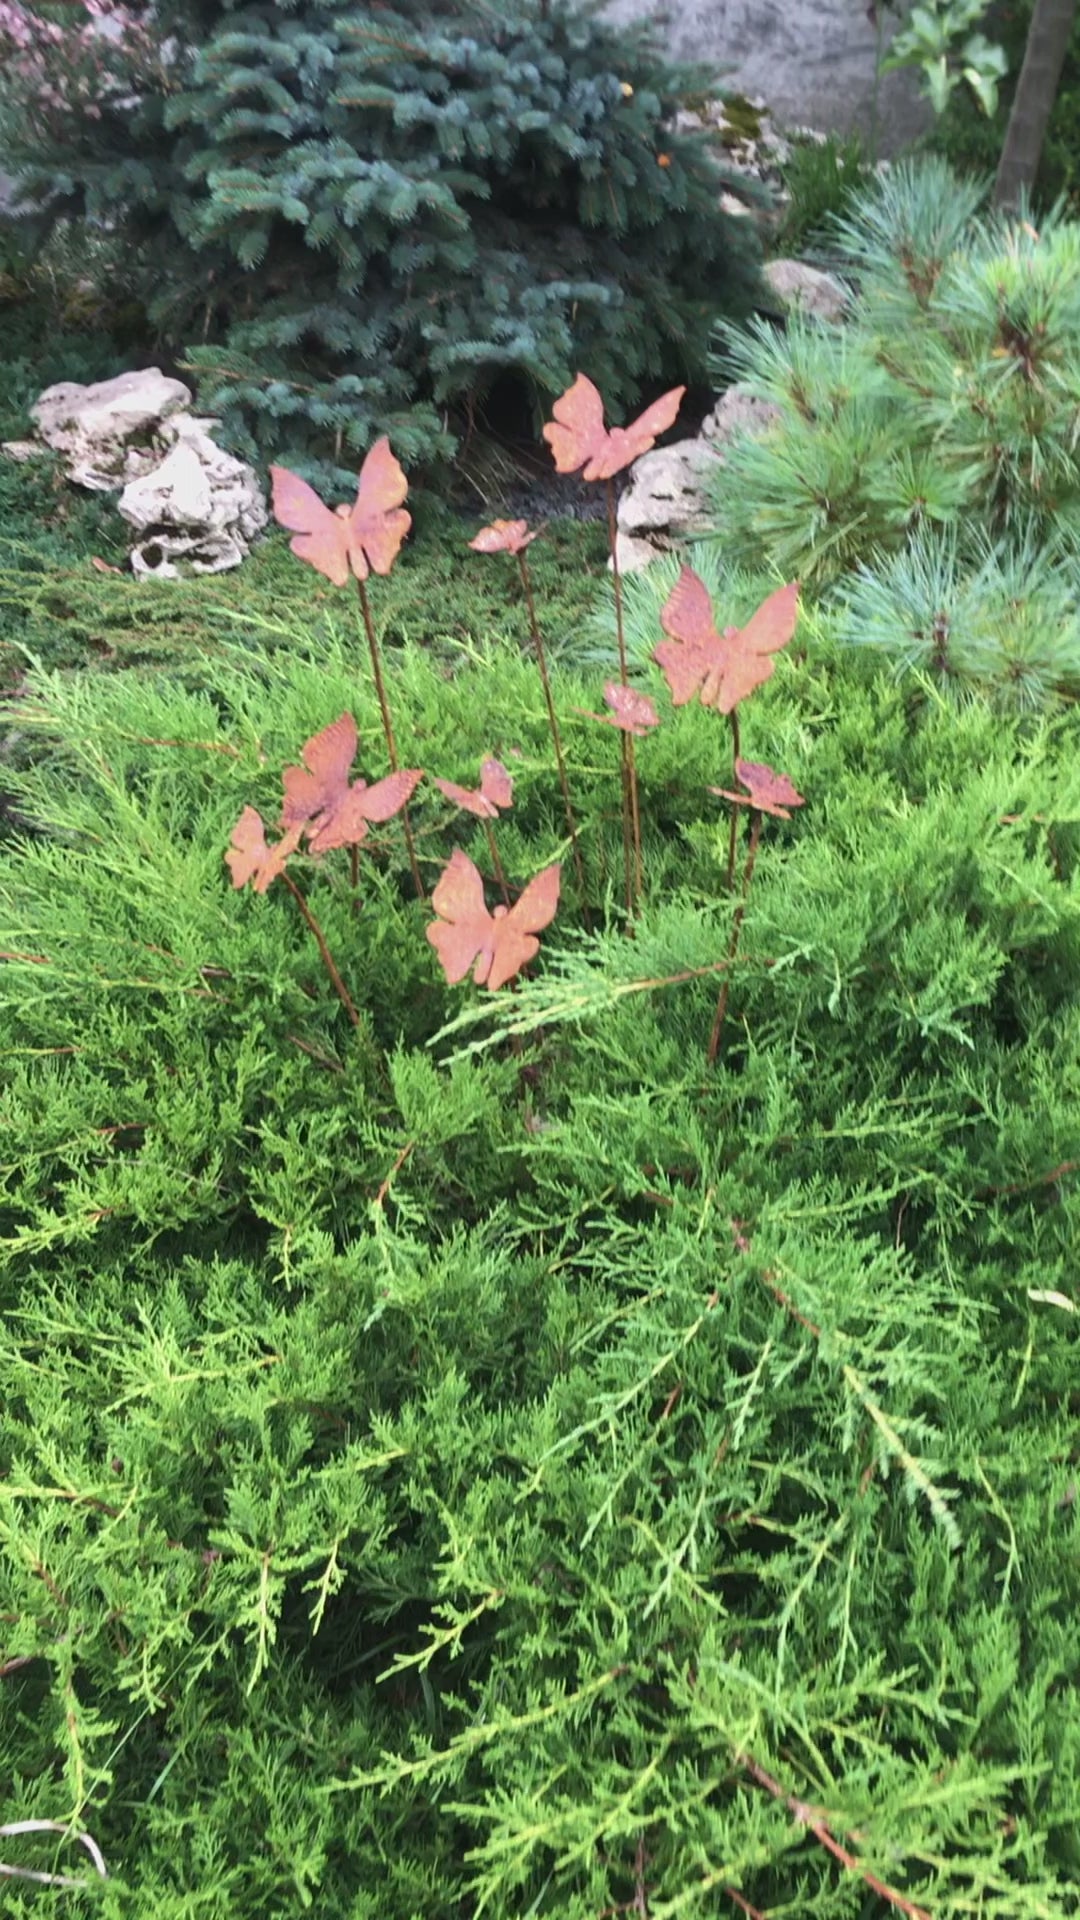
x=766, y=792
x=513, y=536
x=250, y=858
x=721, y=668
x=579, y=440
x=358, y=540
x=495, y=945
x=319, y=804
x=492, y=797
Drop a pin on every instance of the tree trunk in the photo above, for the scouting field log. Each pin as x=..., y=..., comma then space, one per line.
x=1036, y=91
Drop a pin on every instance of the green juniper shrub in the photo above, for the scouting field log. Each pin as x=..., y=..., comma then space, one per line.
x=354, y=222
x=484, y=1459
x=58, y=609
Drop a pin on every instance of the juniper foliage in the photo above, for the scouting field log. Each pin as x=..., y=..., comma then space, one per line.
x=354, y=221
x=434, y=1474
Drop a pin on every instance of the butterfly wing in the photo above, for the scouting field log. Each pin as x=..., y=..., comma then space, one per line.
x=748, y=658
x=346, y=824
x=629, y=443
x=631, y=711
x=688, y=658
x=464, y=930
x=496, y=785
x=576, y=434
x=247, y=848
x=249, y=857
x=322, y=537
x=467, y=797
x=515, y=943
x=388, y=796
x=313, y=790
x=378, y=523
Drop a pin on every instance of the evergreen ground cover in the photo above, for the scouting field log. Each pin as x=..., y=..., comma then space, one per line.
x=487, y=1460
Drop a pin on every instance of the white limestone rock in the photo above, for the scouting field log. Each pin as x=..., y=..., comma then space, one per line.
x=634, y=555
x=737, y=411
x=668, y=491
x=107, y=432
x=797, y=285
x=195, y=508
x=667, y=500
x=195, y=512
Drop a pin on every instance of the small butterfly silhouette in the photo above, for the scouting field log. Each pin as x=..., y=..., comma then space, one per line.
x=767, y=790
x=505, y=536
x=494, y=794
x=319, y=800
x=250, y=858
x=631, y=711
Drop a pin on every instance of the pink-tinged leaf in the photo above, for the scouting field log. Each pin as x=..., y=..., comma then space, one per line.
x=494, y=794
x=721, y=667
x=766, y=790
x=504, y=536
x=319, y=800
x=578, y=437
x=250, y=858
x=361, y=539
x=496, y=945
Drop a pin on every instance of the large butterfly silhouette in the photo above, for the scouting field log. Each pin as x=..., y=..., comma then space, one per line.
x=361, y=539
x=722, y=667
x=578, y=437
x=319, y=800
x=499, y=943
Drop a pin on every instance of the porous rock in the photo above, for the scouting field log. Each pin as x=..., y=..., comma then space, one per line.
x=634, y=555
x=738, y=411
x=667, y=500
x=194, y=507
x=106, y=431
x=195, y=512
x=668, y=490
